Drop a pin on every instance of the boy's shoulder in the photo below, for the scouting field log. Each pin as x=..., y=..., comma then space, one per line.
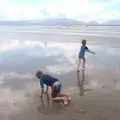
x=44, y=76
x=47, y=76
x=84, y=46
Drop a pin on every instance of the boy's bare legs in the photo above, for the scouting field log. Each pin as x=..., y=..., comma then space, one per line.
x=78, y=64
x=64, y=98
x=84, y=61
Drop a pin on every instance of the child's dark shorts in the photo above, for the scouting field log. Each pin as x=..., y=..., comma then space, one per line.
x=56, y=89
x=81, y=57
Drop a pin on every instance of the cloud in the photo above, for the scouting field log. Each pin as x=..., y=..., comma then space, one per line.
x=86, y=10
x=11, y=11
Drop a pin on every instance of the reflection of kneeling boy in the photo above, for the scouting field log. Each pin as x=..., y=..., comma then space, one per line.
x=55, y=85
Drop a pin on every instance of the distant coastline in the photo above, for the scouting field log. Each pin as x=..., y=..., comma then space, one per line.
x=59, y=22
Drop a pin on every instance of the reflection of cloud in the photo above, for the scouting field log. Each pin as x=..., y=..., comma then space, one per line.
x=27, y=53
x=12, y=100
x=53, y=48
x=62, y=68
x=71, y=49
x=14, y=80
x=9, y=45
x=15, y=75
x=9, y=97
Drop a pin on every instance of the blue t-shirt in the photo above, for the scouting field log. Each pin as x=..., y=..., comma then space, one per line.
x=82, y=51
x=48, y=80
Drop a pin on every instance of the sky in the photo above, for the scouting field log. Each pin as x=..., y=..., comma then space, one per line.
x=82, y=10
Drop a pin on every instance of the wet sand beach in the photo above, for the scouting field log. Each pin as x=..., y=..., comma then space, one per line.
x=95, y=92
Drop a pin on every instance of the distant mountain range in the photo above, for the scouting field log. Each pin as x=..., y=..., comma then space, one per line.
x=62, y=22
x=46, y=22
x=59, y=22
x=112, y=22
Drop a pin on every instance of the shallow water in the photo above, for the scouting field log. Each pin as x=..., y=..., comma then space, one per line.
x=23, y=51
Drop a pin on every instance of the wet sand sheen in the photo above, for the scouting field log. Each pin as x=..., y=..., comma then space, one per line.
x=95, y=91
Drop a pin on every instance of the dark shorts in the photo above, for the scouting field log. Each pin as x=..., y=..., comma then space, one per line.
x=56, y=89
x=81, y=57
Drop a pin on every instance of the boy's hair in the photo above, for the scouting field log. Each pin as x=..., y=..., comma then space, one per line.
x=39, y=73
x=83, y=42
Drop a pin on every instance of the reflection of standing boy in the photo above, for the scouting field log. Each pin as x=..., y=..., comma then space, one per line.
x=83, y=49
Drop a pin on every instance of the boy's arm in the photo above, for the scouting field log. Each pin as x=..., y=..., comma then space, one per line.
x=42, y=87
x=91, y=52
x=42, y=92
x=46, y=89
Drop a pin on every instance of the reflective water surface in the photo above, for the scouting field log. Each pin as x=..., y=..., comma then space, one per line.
x=94, y=91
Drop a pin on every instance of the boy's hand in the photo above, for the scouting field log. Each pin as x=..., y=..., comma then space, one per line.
x=91, y=52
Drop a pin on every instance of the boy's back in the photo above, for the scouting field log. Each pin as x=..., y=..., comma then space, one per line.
x=47, y=79
x=82, y=50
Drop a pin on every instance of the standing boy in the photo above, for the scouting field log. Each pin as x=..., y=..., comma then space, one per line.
x=81, y=56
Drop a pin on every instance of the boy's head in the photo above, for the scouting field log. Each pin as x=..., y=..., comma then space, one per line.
x=39, y=74
x=83, y=42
